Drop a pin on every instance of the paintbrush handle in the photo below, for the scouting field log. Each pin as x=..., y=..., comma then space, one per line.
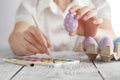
x=35, y=21
x=13, y=61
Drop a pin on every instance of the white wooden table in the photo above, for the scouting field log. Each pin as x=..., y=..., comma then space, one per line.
x=85, y=70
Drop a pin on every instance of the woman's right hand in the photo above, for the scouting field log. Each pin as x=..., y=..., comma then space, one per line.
x=29, y=42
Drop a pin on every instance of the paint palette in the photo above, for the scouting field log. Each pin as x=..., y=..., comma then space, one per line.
x=42, y=61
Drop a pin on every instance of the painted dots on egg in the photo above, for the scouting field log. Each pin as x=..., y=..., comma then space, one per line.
x=70, y=23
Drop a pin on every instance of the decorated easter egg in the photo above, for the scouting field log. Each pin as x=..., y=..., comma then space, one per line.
x=116, y=41
x=106, y=41
x=70, y=23
x=87, y=41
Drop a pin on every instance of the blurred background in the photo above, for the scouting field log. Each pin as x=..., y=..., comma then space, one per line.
x=7, y=13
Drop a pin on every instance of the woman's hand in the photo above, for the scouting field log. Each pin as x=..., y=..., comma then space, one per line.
x=29, y=42
x=87, y=19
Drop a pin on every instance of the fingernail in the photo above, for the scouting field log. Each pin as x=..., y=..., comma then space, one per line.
x=44, y=44
x=94, y=22
x=85, y=18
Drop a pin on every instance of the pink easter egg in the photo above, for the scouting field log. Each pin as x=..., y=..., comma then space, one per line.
x=106, y=42
x=70, y=23
x=87, y=41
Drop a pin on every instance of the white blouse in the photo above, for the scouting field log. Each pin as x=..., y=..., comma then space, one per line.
x=51, y=19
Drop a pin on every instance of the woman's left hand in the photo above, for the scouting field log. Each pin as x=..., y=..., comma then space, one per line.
x=88, y=22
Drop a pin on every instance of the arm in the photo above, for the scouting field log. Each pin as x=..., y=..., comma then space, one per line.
x=26, y=39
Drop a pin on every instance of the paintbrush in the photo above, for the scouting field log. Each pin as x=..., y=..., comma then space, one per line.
x=36, y=25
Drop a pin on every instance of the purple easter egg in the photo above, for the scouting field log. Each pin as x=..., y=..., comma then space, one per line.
x=106, y=42
x=70, y=23
x=87, y=41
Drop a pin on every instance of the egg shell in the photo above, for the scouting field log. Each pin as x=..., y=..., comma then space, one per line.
x=106, y=41
x=70, y=23
x=116, y=41
x=87, y=41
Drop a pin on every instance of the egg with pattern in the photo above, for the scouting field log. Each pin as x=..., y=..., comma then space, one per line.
x=70, y=23
x=106, y=41
x=87, y=41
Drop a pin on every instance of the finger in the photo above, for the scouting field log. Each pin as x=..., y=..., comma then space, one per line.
x=90, y=14
x=38, y=35
x=98, y=21
x=74, y=9
x=48, y=45
x=26, y=52
x=82, y=12
x=29, y=47
x=42, y=49
x=48, y=42
x=40, y=38
x=45, y=49
x=72, y=34
x=29, y=37
x=35, y=45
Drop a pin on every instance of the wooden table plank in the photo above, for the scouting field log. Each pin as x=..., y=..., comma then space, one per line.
x=7, y=70
x=59, y=73
x=109, y=70
x=83, y=71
